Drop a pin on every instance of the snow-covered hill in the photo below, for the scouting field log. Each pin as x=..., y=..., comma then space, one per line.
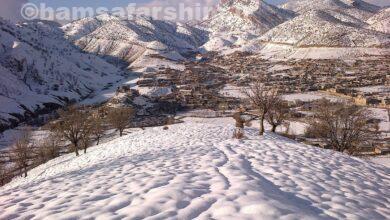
x=380, y=21
x=135, y=41
x=318, y=29
x=195, y=170
x=39, y=66
x=328, y=32
x=326, y=29
x=355, y=8
x=245, y=16
x=234, y=23
x=42, y=64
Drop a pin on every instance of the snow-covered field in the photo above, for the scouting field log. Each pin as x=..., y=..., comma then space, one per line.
x=195, y=170
x=311, y=96
x=383, y=160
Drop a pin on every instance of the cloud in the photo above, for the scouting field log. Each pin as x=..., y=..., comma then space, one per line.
x=10, y=9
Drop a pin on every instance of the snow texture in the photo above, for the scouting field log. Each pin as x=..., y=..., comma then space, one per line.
x=195, y=170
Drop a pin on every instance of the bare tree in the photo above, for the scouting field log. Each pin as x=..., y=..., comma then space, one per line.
x=98, y=128
x=261, y=100
x=86, y=134
x=48, y=149
x=70, y=126
x=120, y=118
x=4, y=174
x=342, y=126
x=278, y=113
x=388, y=114
x=21, y=152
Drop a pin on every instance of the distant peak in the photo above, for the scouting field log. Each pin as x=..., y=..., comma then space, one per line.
x=106, y=17
x=228, y=3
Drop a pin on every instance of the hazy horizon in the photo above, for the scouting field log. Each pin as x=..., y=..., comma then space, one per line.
x=10, y=9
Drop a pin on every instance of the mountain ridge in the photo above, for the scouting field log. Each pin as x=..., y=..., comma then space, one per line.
x=251, y=16
x=134, y=40
x=44, y=69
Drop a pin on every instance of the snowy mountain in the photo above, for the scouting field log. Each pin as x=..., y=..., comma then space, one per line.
x=380, y=21
x=246, y=16
x=41, y=69
x=326, y=29
x=234, y=23
x=355, y=8
x=195, y=170
x=299, y=29
x=44, y=65
x=135, y=41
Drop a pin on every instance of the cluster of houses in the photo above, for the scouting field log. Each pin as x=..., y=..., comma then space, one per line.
x=354, y=79
x=197, y=86
x=370, y=96
x=201, y=84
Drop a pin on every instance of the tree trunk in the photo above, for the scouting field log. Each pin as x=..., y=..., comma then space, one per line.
x=76, y=149
x=25, y=171
x=98, y=140
x=120, y=132
x=274, y=128
x=261, y=132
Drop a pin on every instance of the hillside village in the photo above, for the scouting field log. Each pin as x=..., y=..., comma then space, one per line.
x=351, y=79
x=335, y=76
x=201, y=84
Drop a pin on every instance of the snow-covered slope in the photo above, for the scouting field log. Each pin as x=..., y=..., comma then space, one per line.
x=318, y=29
x=326, y=29
x=135, y=40
x=380, y=21
x=195, y=170
x=356, y=8
x=245, y=16
x=234, y=23
x=39, y=66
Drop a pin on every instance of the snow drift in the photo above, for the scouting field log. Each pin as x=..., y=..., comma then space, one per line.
x=195, y=170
